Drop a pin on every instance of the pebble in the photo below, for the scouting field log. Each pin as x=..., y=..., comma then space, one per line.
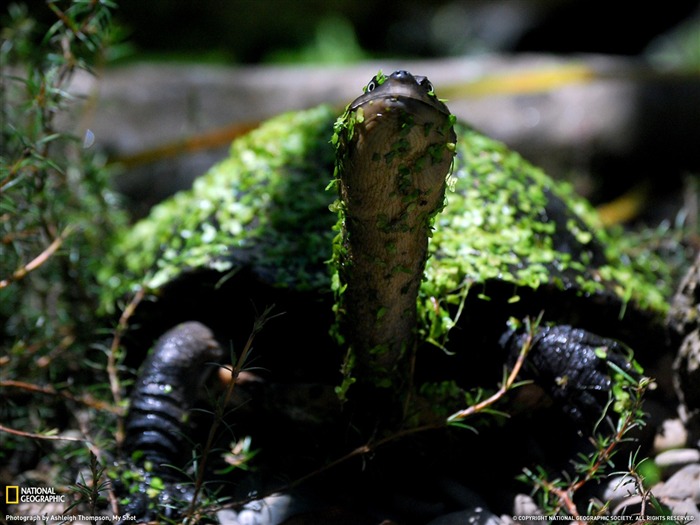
x=475, y=516
x=619, y=489
x=524, y=505
x=677, y=458
x=680, y=492
x=271, y=510
x=684, y=484
x=685, y=507
x=672, y=434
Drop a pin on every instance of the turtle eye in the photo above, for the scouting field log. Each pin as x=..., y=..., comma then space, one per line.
x=425, y=84
x=370, y=87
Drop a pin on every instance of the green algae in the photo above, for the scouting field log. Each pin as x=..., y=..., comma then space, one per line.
x=499, y=223
x=266, y=207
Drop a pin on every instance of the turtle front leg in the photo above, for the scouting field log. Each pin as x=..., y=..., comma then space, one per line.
x=156, y=427
x=573, y=366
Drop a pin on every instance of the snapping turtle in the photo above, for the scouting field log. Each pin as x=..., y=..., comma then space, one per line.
x=436, y=238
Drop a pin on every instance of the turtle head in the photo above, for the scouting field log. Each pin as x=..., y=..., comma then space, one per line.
x=400, y=89
x=396, y=136
x=394, y=149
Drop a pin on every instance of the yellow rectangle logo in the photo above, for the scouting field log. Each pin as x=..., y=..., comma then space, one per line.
x=12, y=494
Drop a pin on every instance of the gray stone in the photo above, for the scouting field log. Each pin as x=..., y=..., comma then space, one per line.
x=619, y=489
x=677, y=457
x=672, y=434
x=271, y=510
x=476, y=516
x=685, y=507
x=683, y=484
x=524, y=505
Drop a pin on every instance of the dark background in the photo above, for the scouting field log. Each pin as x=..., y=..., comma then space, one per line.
x=253, y=31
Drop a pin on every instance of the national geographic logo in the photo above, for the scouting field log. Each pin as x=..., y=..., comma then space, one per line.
x=14, y=494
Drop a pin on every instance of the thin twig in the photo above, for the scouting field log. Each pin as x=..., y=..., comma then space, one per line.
x=88, y=401
x=222, y=406
x=112, y=371
x=603, y=457
x=505, y=387
x=97, y=456
x=373, y=445
x=40, y=259
x=33, y=435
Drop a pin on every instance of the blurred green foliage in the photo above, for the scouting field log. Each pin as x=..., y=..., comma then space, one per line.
x=57, y=215
x=334, y=42
x=679, y=48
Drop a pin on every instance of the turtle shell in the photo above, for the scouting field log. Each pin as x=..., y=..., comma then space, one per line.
x=509, y=242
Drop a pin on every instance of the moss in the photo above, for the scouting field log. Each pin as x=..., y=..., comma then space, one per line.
x=267, y=207
x=514, y=233
x=264, y=204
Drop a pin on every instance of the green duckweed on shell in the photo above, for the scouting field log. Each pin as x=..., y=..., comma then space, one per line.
x=267, y=207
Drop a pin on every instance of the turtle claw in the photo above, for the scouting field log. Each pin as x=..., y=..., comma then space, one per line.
x=574, y=367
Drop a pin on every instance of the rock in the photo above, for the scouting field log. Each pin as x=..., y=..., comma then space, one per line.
x=524, y=505
x=684, y=484
x=619, y=489
x=676, y=458
x=672, y=435
x=336, y=516
x=272, y=510
x=680, y=493
x=684, y=317
x=684, y=507
x=629, y=507
x=687, y=367
x=476, y=516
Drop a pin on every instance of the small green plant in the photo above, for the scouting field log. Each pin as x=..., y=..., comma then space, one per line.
x=180, y=493
x=558, y=496
x=90, y=489
x=56, y=219
x=240, y=452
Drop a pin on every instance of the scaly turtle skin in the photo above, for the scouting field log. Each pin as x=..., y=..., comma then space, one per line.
x=404, y=315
